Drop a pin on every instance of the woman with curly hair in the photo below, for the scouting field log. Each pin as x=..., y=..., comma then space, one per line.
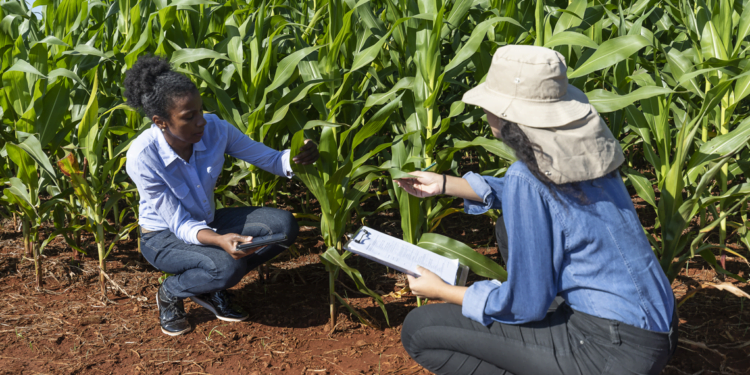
x=585, y=293
x=175, y=165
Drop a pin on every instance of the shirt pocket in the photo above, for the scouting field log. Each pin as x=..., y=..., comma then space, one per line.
x=214, y=170
x=181, y=191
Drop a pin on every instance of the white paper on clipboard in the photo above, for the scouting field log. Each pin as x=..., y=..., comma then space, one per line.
x=403, y=256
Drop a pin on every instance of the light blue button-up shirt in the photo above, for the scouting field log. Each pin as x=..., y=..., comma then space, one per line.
x=179, y=195
x=594, y=255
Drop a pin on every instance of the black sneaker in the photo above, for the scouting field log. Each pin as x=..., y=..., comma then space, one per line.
x=172, y=315
x=221, y=305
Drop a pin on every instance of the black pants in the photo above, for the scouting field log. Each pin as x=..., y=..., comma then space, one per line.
x=566, y=341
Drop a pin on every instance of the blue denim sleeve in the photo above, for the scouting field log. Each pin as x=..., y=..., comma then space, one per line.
x=490, y=189
x=476, y=298
x=532, y=264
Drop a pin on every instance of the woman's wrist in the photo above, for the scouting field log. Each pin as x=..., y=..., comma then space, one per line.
x=452, y=294
x=459, y=187
x=208, y=237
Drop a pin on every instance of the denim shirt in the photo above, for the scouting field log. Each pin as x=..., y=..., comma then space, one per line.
x=179, y=195
x=594, y=255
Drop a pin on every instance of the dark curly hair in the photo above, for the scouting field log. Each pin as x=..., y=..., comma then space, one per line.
x=152, y=85
x=516, y=139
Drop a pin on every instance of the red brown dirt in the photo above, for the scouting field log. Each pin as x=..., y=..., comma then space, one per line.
x=67, y=328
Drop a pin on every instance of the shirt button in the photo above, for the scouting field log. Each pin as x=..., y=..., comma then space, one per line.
x=204, y=201
x=197, y=186
x=581, y=342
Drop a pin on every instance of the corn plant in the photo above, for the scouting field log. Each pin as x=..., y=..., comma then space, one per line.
x=24, y=193
x=33, y=101
x=339, y=181
x=428, y=79
x=662, y=108
x=379, y=80
x=97, y=179
x=95, y=209
x=720, y=40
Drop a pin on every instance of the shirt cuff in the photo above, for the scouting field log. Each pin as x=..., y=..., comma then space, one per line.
x=192, y=236
x=475, y=300
x=286, y=155
x=483, y=190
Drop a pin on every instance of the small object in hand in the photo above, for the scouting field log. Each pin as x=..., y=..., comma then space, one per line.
x=308, y=153
x=263, y=241
x=430, y=166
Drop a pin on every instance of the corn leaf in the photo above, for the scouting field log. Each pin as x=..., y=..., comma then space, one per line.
x=607, y=101
x=610, y=53
x=450, y=248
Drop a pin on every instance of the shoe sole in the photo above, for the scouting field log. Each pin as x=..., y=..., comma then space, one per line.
x=210, y=308
x=186, y=330
x=176, y=333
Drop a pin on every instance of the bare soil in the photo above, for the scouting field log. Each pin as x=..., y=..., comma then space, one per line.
x=68, y=328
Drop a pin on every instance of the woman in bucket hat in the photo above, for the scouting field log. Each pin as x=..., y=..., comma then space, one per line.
x=585, y=293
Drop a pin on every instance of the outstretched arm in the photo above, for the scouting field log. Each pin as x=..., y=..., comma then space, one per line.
x=242, y=147
x=429, y=184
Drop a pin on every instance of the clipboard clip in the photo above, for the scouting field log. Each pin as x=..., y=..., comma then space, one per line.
x=361, y=236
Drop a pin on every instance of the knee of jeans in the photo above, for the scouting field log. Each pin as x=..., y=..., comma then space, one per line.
x=229, y=276
x=290, y=227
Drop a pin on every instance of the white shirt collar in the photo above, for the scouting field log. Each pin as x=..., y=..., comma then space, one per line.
x=166, y=152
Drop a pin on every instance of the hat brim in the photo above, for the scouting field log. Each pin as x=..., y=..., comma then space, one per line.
x=536, y=114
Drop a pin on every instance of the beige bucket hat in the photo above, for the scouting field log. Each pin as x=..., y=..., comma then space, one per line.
x=528, y=85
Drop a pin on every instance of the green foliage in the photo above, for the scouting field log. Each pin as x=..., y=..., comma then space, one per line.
x=377, y=84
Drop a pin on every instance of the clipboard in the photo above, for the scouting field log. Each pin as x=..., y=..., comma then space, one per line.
x=403, y=256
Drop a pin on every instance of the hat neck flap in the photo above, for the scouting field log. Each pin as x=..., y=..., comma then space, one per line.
x=582, y=150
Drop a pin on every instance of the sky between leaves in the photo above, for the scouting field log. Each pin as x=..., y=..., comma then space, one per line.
x=37, y=10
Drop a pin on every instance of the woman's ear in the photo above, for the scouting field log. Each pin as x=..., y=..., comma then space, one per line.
x=160, y=122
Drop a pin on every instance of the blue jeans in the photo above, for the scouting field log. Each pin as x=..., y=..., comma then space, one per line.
x=204, y=269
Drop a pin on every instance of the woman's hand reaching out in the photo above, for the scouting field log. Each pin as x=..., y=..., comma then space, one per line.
x=308, y=153
x=427, y=184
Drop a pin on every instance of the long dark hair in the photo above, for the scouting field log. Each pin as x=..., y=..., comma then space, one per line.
x=515, y=138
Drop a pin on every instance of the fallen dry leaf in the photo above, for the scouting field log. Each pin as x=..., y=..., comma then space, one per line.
x=731, y=288
x=94, y=319
x=398, y=294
